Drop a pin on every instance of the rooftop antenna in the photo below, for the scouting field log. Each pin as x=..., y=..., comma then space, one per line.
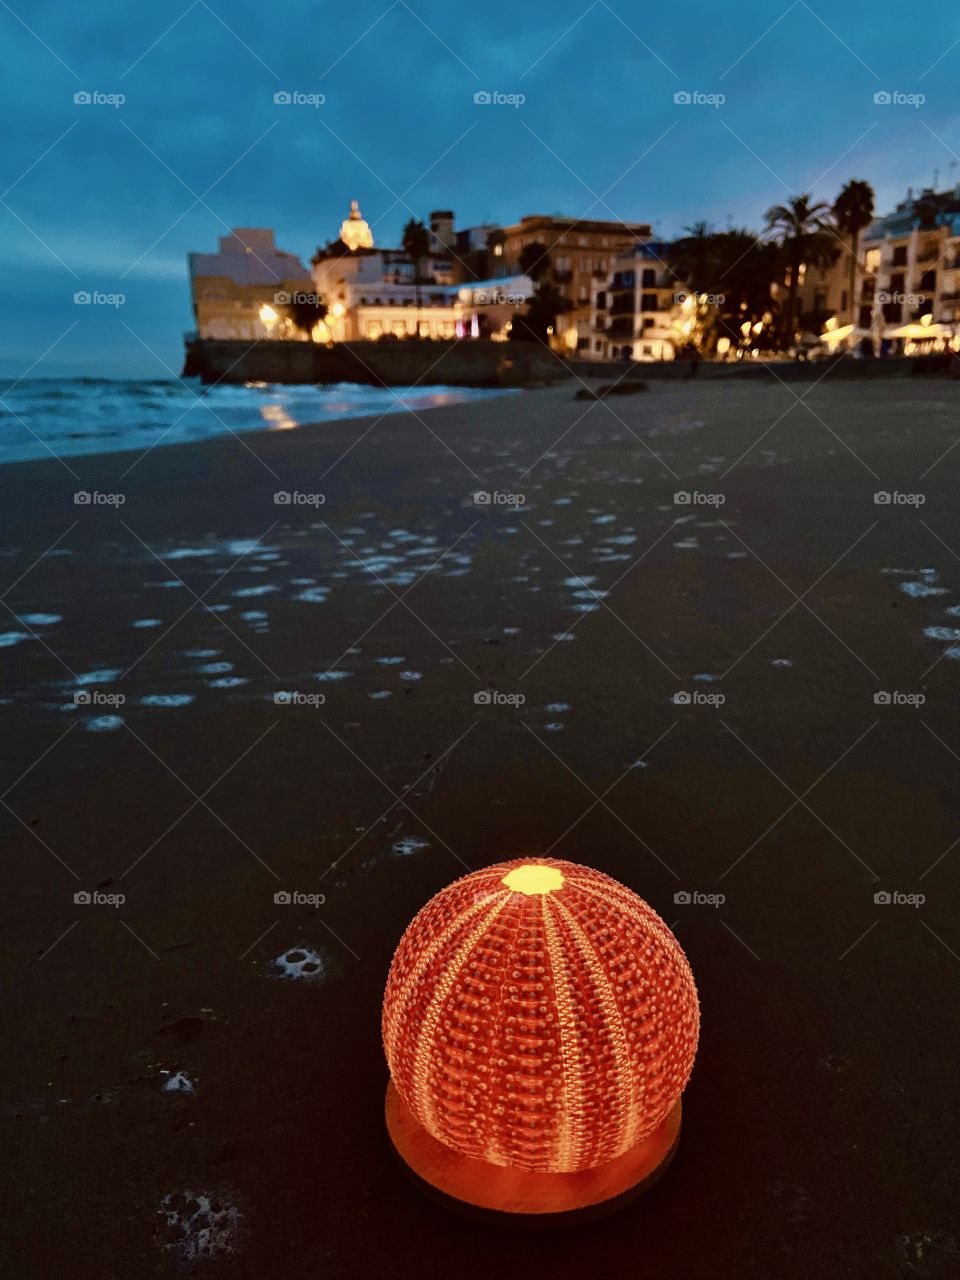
x=936, y=178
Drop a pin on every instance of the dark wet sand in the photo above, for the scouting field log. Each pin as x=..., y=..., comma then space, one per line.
x=819, y=1133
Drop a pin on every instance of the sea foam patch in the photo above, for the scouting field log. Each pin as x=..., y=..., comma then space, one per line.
x=41, y=619
x=199, y=1226
x=408, y=845
x=298, y=964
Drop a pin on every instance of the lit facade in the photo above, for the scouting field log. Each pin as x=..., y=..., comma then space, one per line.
x=235, y=291
x=372, y=294
x=913, y=291
x=640, y=311
x=906, y=292
x=580, y=253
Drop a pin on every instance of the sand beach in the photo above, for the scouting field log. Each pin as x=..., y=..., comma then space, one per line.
x=678, y=610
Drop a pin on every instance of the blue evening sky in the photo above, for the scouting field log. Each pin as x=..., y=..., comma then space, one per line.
x=111, y=198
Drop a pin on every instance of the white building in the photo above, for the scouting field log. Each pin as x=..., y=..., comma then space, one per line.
x=638, y=310
x=374, y=293
x=488, y=306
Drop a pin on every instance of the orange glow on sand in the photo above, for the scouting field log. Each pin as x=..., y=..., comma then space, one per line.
x=540, y=1016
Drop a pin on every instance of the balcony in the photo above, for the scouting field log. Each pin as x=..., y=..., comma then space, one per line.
x=621, y=328
x=562, y=277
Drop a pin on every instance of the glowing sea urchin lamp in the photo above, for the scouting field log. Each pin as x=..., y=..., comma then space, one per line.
x=540, y=1024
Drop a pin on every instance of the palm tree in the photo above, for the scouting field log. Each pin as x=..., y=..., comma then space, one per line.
x=693, y=257
x=853, y=210
x=535, y=260
x=304, y=311
x=804, y=231
x=416, y=245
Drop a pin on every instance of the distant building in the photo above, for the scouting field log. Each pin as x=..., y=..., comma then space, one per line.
x=235, y=290
x=579, y=253
x=912, y=284
x=906, y=282
x=488, y=307
x=641, y=311
x=478, y=252
x=375, y=293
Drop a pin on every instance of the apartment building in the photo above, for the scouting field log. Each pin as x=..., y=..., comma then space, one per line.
x=578, y=254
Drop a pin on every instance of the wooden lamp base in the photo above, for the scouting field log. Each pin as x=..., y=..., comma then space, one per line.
x=494, y=1193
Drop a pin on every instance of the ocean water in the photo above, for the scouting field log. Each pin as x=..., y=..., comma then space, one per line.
x=67, y=417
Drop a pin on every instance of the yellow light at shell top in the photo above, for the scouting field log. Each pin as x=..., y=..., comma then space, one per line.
x=268, y=315
x=533, y=879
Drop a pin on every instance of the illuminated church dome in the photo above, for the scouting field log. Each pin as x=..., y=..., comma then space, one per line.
x=354, y=232
x=540, y=1016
